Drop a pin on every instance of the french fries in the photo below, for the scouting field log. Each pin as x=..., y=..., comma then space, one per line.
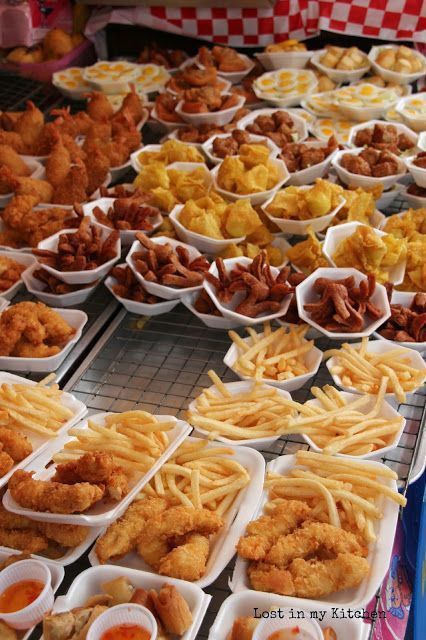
x=345, y=493
x=135, y=439
x=35, y=408
x=364, y=371
x=274, y=355
x=338, y=426
x=199, y=476
x=260, y=412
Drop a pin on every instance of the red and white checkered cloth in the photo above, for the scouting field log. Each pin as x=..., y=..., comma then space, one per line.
x=384, y=19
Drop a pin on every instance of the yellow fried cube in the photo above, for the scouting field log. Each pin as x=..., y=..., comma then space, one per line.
x=229, y=170
x=254, y=154
x=254, y=180
x=240, y=219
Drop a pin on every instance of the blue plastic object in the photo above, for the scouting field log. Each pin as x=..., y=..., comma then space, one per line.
x=419, y=596
x=411, y=524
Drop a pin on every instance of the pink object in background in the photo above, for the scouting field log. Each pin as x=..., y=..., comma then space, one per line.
x=25, y=24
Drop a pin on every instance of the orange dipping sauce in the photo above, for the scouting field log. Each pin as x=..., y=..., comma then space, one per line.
x=127, y=632
x=19, y=595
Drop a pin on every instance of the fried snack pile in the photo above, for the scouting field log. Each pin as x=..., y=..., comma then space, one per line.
x=10, y=272
x=272, y=355
x=278, y=126
x=43, y=538
x=411, y=228
x=371, y=162
x=168, y=187
x=56, y=286
x=407, y=324
x=81, y=250
x=56, y=44
x=307, y=255
x=25, y=226
x=362, y=370
x=343, y=59
x=32, y=330
x=384, y=137
x=168, y=58
x=401, y=59
x=204, y=304
x=296, y=203
x=353, y=427
x=170, y=267
x=359, y=205
x=201, y=476
x=230, y=146
x=165, y=105
x=127, y=214
x=415, y=190
x=420, y=160
x=260, y=412
x=224, y=59
x=286, y=45
x=250, y=172
x=170, y=609
x=191, y=76
x=75, y=487
x=370, y=253
x=211, y=216
x=264, y=291
x=298, y=156
x=174, y=541
x=258, y=241
x=203, y=132
x=12, y=161
x=129, y=287
x=343, y=305
x=172, y=151
x=207, y=100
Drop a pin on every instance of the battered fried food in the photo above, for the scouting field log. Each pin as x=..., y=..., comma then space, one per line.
x=99, y=107
x=318, y=578
x=243, y=628
x=23, y=186
x=16, y=445
x=58, y=163
x=10, y=272
x=6, y=463
x=53, y=497
x=73, y=188
x=23, y=539
x=10, y=159
x=29, y=126
x=7, y=633
x=172, y=609
x=188, y=560
x=11, y=560
x=121, y=537
x=66, y=535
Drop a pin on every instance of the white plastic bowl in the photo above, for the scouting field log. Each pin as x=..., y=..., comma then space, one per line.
x=25, y=259
x=38, y=172
x=414, y=202
x=365, y=113
x=207, y=146
x=405, y=299
x=386, y=411
x=126, y=237
x=357, y=180
x=34, y=612
x=305, y=294
x=228, y=309
x=395, y=76
x=421, y=143
x=235, y=388
x=218, y=118
x=312, y=360
x=149, y=148
x=335, y=235
x=375, y=220
x=300, y=227
x=418, y=173
x=401, y=128
x=37, y=288
x=79, y=277
x=211, y=246
x=76, y=319
x=339, y=75
x=140, y=308
x=234, y=77
x=282, y=59
x=123, y=614
x=169, y=126
x=160, y=290
x=255, y=198
x=300, y=126
x=310, y=174
x=214, y=322
x=389, y=196
x=415, y=122
x=377, y=346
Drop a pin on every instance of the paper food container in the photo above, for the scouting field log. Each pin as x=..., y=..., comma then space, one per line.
x=378, y=557
x=105, y=511
x=222, y=544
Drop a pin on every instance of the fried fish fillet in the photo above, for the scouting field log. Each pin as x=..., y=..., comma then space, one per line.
x=318, y=578
x=15, y=444
x=188, y=560
x=23, y=540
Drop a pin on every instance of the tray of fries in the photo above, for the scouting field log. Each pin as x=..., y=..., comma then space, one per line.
x=38, y=411
x=235, y=499
x=370, y=484
x=133, y=453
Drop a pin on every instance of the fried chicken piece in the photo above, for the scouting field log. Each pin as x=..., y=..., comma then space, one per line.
x=23, y=186
x=121, y=537
x=72, y=125
x=188, y=560
x=180, y=520
x=23, y=540
x=66, y=535
x=53, y=497
x=312, y=538
x=13, y=161
x=133, y=105
x=58, y=163
x=318, y=578
x=30, y=125
x=172, y=609
x=6, y=463
x=15, y=444
x=13, y=140
x=266, y=577
x=93, y=467
x=97, y=167
x=99, y=107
